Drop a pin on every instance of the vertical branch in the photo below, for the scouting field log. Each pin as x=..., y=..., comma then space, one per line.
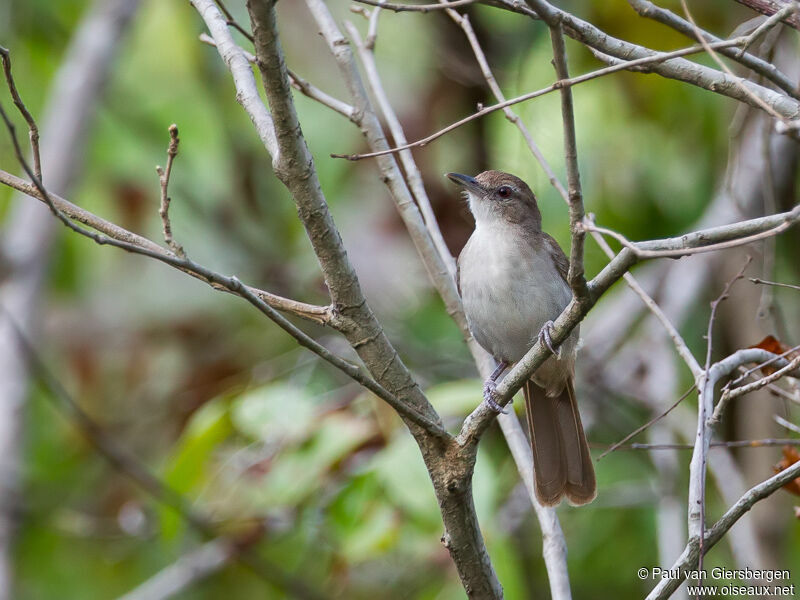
x=705, y=409
x=295, y=167
x=577, y=280
x=554, y=546
x=413, y=176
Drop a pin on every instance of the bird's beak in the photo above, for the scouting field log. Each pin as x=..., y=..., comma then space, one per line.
x=465, y=181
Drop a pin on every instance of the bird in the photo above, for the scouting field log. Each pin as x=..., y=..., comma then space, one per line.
x=512, y=277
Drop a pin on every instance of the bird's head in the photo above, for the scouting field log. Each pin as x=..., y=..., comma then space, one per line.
x=498, y=196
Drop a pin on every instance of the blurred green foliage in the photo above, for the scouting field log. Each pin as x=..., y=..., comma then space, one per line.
x=257, y=434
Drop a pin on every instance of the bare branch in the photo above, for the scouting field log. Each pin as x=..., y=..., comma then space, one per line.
x=576, y=277
x=236, y=61
x=675, y=68
x=768, y=24
x=740, y=83
x=649, y=10
x=706, y=385
x=651, y=249
x=649, y=59
x=672, y=331
x=294, y=166
x=413, y=175
x=728, y=395
x=770, y=7
x=691, y=554
x=423, y=8
x=300, y=84
x=232, y=284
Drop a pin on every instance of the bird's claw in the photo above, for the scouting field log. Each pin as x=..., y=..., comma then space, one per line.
x=489, y=394
x=544, y=338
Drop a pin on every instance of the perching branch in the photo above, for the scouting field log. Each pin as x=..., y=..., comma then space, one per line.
x=480, y=418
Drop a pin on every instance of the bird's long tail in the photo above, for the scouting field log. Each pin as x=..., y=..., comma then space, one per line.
x=562, y=464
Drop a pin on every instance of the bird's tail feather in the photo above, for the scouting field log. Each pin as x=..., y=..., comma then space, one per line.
x=562, y=464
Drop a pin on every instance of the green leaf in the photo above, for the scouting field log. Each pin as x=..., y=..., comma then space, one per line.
x=186, y=469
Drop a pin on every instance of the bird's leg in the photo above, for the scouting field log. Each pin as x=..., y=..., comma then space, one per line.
x=490, y=388
x=544, y=338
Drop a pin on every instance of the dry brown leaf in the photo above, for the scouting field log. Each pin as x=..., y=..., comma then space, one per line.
x=790, y=456
x=774, y=345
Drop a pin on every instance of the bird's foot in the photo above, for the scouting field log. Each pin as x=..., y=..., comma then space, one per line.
x=544, y=338
x=489, y=395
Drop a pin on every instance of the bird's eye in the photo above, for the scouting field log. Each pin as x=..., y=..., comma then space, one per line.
x=504, y=191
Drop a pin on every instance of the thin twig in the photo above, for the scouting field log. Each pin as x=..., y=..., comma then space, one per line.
x=680, y=345
x=761, y=365
x=163, y=177
x=305, y=87
x=233, y=22
x=729, y=395
x=423, y=8
x=33, y=130
x=768, y=7
x=679, y=69
x=322, y=315
x=764, y=282
x=652, y=421
x=787, y=424
x=768, y=24
x=624, y=65
x=762, y=443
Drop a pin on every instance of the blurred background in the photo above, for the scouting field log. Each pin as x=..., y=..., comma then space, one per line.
x=284, y=454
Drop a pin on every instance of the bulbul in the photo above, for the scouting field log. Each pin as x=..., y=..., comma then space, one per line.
x=512, y=277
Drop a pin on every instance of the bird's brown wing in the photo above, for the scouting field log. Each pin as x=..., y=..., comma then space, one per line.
x=559, y=258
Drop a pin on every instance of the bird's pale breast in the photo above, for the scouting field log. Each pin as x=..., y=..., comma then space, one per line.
x=509, y=291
